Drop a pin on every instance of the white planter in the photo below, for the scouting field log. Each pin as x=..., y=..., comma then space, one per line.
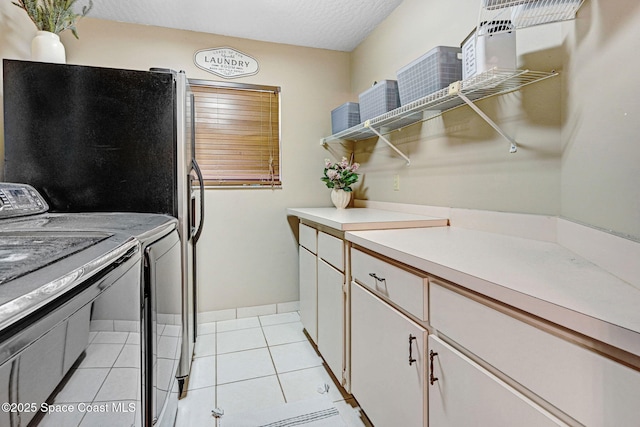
x=340, y=198
x=47, y=47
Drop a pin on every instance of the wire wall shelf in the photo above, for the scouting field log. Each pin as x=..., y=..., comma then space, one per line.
x=491, y=83
x=526, y=13
x=496, y=16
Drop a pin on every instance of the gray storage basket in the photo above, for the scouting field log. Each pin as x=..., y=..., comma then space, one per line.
x=498, y=4
x=431, y=72
x=379, y=99
x=345, y=116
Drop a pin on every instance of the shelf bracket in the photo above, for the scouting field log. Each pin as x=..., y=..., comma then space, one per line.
x=367, y=124
x=474, y=107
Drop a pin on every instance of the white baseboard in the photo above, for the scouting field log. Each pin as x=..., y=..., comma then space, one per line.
x=243, y=312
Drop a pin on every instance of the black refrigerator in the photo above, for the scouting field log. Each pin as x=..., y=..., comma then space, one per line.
x=96, y=139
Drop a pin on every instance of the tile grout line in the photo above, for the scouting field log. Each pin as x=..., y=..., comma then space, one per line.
x=240, y=381
x=216, y=332
x=93, y=399
x=275, y=369
x=215, y=387
x=216, y=349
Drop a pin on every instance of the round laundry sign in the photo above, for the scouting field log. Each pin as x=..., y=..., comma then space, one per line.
x=226, y=62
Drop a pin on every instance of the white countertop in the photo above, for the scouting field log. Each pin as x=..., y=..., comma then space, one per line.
x=365, y=218
x=542, y=278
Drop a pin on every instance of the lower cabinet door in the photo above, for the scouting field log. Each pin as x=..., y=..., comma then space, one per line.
x=462, y=393
x=331, y=317
x=308, y=292
x=388, y=363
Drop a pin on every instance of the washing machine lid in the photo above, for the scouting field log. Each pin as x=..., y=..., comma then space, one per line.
x=23, y=252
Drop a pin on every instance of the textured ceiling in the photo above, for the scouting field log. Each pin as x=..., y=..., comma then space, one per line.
x=328, y=24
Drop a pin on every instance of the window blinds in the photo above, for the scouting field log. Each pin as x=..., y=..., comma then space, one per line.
x=237, y=134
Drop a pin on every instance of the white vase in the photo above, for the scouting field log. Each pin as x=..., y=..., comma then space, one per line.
x=47, y=47
x=340, y=198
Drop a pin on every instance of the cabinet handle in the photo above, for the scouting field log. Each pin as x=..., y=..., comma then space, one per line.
x=411, y=359
x=432, y=379
x=375, y=276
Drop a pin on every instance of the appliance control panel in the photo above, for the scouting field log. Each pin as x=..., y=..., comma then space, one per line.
x=20, y=200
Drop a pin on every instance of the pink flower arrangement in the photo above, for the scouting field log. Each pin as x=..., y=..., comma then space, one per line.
x=340, y=175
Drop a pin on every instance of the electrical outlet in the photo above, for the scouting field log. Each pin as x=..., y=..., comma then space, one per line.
x=396, y=182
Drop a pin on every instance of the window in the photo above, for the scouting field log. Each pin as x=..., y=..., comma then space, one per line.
x=237, y=133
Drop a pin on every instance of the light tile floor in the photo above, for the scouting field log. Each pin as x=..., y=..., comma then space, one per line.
x=254, y=363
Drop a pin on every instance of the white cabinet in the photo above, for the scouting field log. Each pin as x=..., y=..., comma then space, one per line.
x=308, y=292
x=332, y=302
x=496, y=364
x=322, y=276
x=331, y=316
x=388, y=362
x=592, y=389
x=462, y=393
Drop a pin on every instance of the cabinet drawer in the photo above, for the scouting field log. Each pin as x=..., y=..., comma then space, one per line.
x=592, y=389
x=308, y=239
x=408, y=290
x=331, y=249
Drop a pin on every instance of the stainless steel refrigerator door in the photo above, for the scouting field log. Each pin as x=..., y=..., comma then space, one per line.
x=196, y=224
x=184, y=129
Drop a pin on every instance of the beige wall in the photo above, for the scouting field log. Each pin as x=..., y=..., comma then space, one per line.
x=248, y=251
x=577, y=133
x=601, y=132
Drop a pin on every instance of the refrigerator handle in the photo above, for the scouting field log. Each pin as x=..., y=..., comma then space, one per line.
x=196, y=168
